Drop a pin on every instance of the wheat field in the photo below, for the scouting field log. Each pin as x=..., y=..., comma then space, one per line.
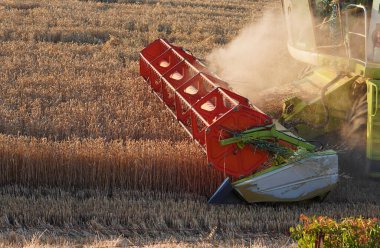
x=88, y=155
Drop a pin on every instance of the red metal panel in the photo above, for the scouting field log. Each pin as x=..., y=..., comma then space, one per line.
x=208, y=111
x=231, y=159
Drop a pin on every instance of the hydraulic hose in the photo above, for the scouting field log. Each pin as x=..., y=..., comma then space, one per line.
x=324, y=103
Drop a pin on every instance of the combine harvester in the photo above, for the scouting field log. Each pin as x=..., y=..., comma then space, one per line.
x=266, y=162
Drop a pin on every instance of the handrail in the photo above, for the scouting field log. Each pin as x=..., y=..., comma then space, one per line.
x=365, y=35
x=376, y=99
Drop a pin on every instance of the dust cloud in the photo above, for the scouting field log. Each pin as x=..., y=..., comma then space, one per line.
x=257, y=59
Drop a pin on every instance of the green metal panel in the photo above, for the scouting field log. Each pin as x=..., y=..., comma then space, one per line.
x=268, y=132
x=308, y=108
x=373, y=123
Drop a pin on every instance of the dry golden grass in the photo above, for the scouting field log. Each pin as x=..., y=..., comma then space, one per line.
x=86, y=151
x=35, y=242
x=163, y=166
x=151, y=216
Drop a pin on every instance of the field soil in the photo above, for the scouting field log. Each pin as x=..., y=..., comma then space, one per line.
x=90, y=158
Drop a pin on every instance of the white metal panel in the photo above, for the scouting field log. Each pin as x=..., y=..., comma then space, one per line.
x=301, y=180
x=300, y=24
x=374, y=24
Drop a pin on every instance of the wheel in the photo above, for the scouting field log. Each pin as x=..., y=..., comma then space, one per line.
x=354, y=137
x=357, y=119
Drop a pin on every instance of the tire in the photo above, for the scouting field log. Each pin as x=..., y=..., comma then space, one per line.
x=354, y=134
x=357, y=118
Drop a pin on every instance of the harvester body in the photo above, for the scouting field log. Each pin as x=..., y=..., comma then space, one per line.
x=264, y=161
x=341, y=39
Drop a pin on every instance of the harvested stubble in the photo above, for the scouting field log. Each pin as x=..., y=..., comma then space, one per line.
x=94, y=163
x=155, y=215
x=36, y=241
